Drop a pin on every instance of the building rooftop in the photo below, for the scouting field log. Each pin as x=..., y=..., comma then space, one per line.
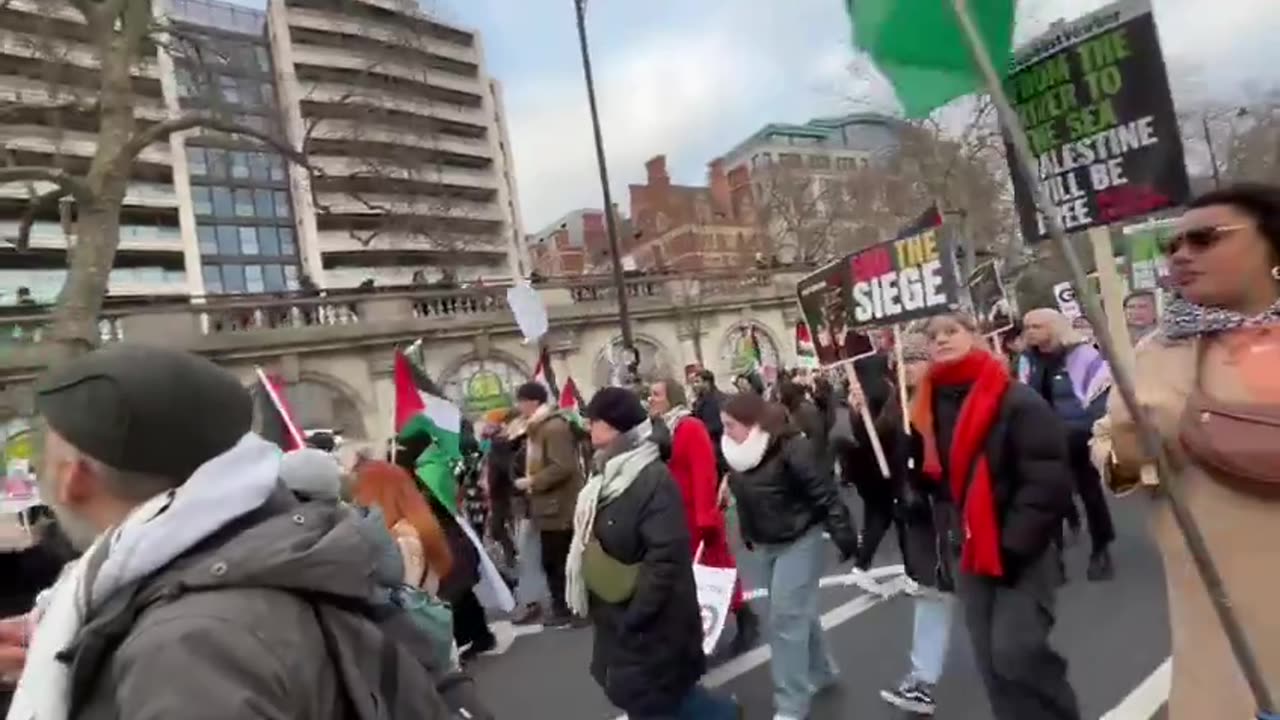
x=822, y=128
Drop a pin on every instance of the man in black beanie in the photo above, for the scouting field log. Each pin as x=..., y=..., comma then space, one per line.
x=196, y=594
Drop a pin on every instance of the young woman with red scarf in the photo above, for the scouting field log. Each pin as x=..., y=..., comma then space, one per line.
x=1001, y=453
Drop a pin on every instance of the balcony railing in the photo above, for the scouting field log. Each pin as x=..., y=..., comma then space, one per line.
x=218, y=319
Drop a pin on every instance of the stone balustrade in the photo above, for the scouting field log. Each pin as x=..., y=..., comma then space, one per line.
x=235, y=324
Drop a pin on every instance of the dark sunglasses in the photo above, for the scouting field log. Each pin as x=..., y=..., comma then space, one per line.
x=1198, y=239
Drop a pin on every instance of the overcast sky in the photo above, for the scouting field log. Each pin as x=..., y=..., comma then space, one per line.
x=692, y=79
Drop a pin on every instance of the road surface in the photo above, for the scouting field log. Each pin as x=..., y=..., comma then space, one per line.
x=1115, y=636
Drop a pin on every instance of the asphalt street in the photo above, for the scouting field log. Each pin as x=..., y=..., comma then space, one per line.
x=1114, y=635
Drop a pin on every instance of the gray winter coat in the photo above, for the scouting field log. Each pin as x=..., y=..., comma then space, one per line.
x=227, y=631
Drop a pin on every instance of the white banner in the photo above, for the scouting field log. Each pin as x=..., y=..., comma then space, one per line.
x=715, y=594
x=1067, y=303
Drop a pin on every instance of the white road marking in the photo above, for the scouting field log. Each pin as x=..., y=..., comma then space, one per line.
x=845, y=580
x=758, y=656
x=1146, y=699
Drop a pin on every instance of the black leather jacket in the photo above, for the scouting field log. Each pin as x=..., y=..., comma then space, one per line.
x=785, y=496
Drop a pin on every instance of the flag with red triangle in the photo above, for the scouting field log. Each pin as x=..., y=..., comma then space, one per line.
x=276, y=421
x=544, y=372
x=806, y=351
x=423, y=410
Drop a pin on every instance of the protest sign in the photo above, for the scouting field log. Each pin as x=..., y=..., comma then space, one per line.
x=893, y=282
x=715, y=597
x=1065, y=295
x=1094, y=98
x=1148, y=267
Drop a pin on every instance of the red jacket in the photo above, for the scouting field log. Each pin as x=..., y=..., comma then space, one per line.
x=693, y=465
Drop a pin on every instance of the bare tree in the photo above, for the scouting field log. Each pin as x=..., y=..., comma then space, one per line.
x=121, y=36
x=1228, y=142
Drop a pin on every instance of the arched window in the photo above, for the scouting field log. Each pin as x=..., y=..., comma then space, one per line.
x=738, y=350
x=320, y=406
x=654, y=362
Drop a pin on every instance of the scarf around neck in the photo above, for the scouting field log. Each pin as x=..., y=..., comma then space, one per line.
x=616, y=468
x=1184, y=319
x=153, y=535
x=673, y=416
x=988, y=380
x=747, y=455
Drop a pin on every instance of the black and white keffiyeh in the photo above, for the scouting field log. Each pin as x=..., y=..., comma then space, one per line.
x=1184, y=319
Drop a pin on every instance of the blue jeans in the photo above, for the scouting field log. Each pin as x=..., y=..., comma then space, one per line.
x=802, y=664
x=931, y=635
x=699, y=704
x=531, y=583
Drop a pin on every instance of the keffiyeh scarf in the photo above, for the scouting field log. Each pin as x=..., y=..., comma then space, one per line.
x=1184, y=319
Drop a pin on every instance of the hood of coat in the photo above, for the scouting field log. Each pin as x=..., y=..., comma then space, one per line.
x=306, y=548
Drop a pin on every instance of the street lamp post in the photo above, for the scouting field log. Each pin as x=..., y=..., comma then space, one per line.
x=611, y=225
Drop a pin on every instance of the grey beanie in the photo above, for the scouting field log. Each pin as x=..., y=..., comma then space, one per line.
x=312, y=474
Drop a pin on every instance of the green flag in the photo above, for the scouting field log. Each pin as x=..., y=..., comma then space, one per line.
x=921, y=49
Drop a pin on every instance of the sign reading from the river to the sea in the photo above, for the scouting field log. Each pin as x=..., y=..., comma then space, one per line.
x=904, y=279
x=1094, y=99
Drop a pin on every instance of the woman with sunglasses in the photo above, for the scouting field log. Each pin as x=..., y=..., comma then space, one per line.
x=1209, y=380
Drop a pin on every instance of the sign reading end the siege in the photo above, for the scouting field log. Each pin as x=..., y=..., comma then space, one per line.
x=1094, y=98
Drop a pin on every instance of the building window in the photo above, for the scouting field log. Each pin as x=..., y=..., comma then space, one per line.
x=249, y=240
x=195, y=162
x=217, y=167
x=286, y=241
x=269, y=241
x=212, y=278
x=244, y=203
x=222, y=203
x=273, y=278
x=201, y=200
x=820, y=162
x=233, y=278
x=282, y=205
x=262, y=206
x=208, y=238
x=253, y=278
x=846, y=163
x=790, y=160
x=228, y=240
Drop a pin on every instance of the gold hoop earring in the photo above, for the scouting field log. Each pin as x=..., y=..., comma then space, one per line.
x=1275, y=272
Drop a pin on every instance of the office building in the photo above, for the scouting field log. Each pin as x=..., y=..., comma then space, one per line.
x=395, y=112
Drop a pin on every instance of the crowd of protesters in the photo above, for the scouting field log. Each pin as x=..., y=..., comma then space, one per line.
x=293, y=585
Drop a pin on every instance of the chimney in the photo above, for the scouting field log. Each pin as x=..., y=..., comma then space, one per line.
x=718, y=182
x=656, y=169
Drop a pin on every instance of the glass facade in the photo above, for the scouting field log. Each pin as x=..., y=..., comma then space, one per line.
x=239, y=187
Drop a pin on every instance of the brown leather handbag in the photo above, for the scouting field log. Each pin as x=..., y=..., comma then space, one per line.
x=1237, y=443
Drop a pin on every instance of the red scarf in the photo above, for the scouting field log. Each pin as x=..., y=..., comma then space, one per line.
x=988, y=379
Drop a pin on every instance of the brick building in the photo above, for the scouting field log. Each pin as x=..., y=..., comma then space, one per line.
x=685, y=227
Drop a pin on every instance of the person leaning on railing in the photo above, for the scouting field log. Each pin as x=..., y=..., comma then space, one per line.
x=1208, y=382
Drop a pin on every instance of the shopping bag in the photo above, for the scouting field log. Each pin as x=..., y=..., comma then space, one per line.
x=715, y=594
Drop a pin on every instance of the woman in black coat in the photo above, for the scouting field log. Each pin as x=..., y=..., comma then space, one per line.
x=1000, y=451
x=630, y=567
x=784, y=503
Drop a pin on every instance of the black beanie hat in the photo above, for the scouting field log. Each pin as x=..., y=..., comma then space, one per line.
x=145, y=409
x=618, y=407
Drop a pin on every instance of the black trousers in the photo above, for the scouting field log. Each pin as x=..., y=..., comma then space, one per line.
x=469, y=622
x=555, y=552
x=1009, y=626
x=1102, y=530
x=500, y=522
x=877, y=518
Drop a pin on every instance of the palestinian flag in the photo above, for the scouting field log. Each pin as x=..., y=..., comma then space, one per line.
x=545, y=373
x=276, y=421
x=806, y=352
x=422, y=411
x=571, y=397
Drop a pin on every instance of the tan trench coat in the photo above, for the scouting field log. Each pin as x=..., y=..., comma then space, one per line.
x=1241, y=531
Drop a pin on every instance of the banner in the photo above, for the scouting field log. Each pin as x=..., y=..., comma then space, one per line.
x=905, y=279
x=715, y=595
x=1065, y=295
x=1148, y=267
x=1094, y=97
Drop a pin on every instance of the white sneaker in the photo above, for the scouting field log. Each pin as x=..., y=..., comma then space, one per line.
x=505, y=635
x=864, y=582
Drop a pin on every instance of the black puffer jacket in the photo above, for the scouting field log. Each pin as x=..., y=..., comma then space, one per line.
x=785, y=496
x=1026, y=449
x=648, y=650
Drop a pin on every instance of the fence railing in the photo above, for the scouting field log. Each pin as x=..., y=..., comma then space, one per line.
x=223, y=314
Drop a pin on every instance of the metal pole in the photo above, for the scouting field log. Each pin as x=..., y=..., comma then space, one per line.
x=1170, y=482
x=624, y=315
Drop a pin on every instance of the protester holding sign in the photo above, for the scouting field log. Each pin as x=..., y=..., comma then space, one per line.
x=1001, y=453
x=1208, y=379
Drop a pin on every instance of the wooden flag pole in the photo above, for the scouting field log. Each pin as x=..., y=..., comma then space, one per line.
x=902, y=378
x=867, y=421
x=1122, y=378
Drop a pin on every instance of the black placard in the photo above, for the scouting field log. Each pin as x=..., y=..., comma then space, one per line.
x=910, y=277
x=1094, y=99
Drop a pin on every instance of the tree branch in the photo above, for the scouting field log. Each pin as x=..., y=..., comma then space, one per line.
x=162, y=130
x=68, y=184
x=28, y=219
